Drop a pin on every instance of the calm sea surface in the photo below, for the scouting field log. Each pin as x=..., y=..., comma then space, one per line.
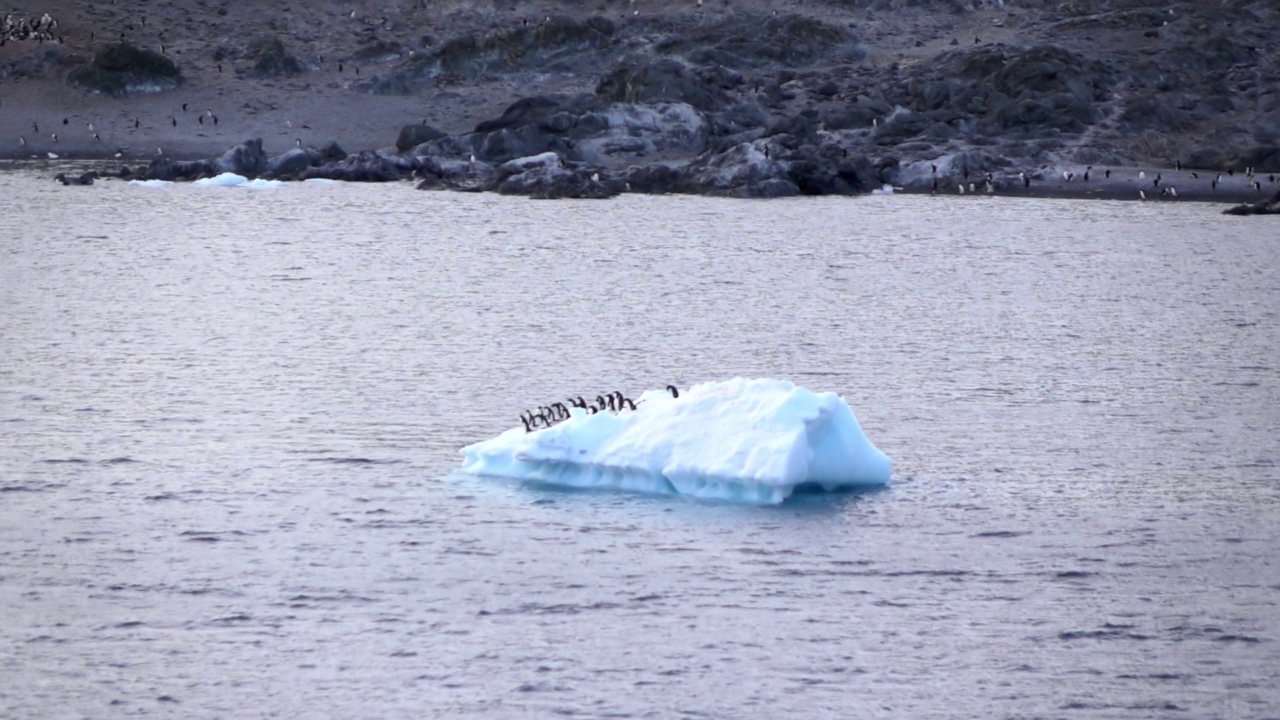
x=230, y=421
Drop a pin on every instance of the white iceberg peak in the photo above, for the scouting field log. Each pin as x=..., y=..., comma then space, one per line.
x=739, y=440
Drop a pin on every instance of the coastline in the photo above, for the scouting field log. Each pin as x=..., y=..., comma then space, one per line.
x=828, y=100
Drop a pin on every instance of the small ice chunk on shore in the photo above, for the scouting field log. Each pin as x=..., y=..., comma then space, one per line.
x=749, y=441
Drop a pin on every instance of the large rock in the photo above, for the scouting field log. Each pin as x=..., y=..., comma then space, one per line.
x=367, y=166
x=411, y=136
x=624, y=132
x=553, y=181
x=557, y=39
x=1266, y=207
x=270, y=59
x=463, y=175
x=747, y=40
x=749, y=170
x=121, y=69
x=248, y=159
x=663, y=81
x=292, y=163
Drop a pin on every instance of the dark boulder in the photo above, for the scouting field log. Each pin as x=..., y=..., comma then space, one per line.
x=1266, y=207
x=508, y=143
x=546, y=182
x=652, y=179
x=737, y=118
x=83, y=179
x=270, y=59
x=748, y=170
x=524, y=46
x=288, y=163
x=411, y=136
x=365, y=167
x=332, y=152
x=247, y=159
x=747, y=40
x=176, y=170
x=448, y=174
x=662, y=81
x=524, y=111
x=121, y=69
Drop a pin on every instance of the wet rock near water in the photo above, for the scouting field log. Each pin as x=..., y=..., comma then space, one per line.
x=123, y=69
x=1266, y=207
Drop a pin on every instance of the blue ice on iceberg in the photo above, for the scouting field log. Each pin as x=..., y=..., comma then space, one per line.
x=750, y=441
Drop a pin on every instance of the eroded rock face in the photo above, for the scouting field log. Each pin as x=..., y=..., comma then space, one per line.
x=122, y=69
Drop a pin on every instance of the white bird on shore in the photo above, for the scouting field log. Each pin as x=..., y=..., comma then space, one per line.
x=595, y=177
x=960, y=188
x=1142, y=194
x=1142, y=175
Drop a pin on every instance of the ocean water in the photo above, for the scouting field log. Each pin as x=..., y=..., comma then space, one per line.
x=230, y=422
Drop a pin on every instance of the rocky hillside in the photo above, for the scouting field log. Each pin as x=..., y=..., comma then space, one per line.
x=736, y=96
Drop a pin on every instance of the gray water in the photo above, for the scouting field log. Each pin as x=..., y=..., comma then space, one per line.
x=230, y=422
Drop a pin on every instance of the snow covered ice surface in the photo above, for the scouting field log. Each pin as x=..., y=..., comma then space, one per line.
x=228, y=179
x=748, y=441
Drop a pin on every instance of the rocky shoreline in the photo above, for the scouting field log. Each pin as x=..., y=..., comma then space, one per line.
x=1119, y=99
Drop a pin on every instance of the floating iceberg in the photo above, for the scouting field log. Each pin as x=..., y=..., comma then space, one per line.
x=751, y=441
x=151, y=183
x=226, y=179
x=229, y=179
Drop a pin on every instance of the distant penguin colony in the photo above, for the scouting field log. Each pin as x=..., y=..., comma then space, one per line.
x=21, y=29
x=1153, y=184
x=548, y=415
